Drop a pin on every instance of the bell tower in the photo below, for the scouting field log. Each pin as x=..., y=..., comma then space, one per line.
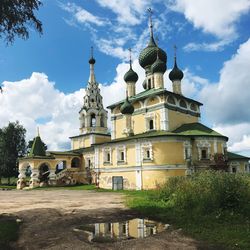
x=93, y=117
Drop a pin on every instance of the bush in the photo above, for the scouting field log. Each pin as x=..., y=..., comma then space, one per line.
x=208, y=192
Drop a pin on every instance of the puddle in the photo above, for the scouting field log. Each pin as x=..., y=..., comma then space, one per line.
x=116, y=231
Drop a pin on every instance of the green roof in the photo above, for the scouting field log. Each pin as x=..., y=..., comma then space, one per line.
x=37, y=148
x=233, y=156
x=185, y=130
x=151, y=92
x=196, y=129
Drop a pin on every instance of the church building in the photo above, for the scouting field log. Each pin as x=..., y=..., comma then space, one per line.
x=155, y=134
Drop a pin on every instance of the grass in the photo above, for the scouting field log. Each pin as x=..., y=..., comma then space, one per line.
x=8, y=231
x=75, y=187
x=224, y=226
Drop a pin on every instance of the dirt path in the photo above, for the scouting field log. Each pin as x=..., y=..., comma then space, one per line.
x=49, y=219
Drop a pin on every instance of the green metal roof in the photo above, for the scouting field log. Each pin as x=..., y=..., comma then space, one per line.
x=152, y=92
x=233, y=156
x=197, y=129
x=37, y=148
x=185, y=130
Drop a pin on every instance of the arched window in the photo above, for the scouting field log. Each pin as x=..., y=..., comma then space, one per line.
x=151, y=124
x=44, y=173
x=60, y=167
x=75, y=163
x=183, y=104
x=193, y=107
x=108, y=157
x=92, y=120
x=171, y=100
x=102, y=121
x=149, y=83
x=122, y=156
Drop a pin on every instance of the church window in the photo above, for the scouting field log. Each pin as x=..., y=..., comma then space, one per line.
x=183, y=104
x=204, y=154
x=107, y=155
x=102, y=121
x=193, y=107
x=149, y=83
x=171, y=100
x=92, y=120
x=234, y=169
x=75, y=163
x=151, y=124
x=122, y=156
x=147, y=152
x=121, y=153
x=92, y=100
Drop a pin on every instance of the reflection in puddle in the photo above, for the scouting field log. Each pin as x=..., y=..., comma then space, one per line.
x=111, y=232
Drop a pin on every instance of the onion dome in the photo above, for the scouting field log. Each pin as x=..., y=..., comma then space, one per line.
x=127, y=108
x=92, y=59
x=158, y=65
x=149, y=55
x=131, y=76
x=176, y=73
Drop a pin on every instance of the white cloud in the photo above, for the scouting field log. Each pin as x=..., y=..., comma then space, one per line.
x=213, y=16
x=35, y=99
x=231, y=95
x=82, y=15
x=129, y=12
x=210, y=47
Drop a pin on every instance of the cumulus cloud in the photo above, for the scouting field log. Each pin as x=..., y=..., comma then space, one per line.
x=83, y=16
x=215, y=17
x=210, y=47
x=232, y=94
x=129, y=12
x=36, y=98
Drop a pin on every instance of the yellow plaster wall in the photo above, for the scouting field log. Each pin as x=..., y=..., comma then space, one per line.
x=167, y=153
x=153, y=178
x=176, y=119
x=100, y=139
x=129, y=181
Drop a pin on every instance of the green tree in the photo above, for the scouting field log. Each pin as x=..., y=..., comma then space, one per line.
x=16, y=16
x=12, y=146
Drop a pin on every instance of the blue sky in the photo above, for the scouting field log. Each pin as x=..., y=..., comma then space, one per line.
x=212, y=37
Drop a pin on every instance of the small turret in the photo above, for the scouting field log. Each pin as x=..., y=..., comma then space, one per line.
x=176, y=76
x=127, y=109
x=130, y=78
x=158, y=69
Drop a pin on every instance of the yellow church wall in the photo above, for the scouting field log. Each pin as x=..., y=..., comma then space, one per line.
x=119, y=127
x=154, y=178
x=152, y=101
x=129, y=181
x=176, y=119
x=100, y=139
x=168, y=153
x=131, y=161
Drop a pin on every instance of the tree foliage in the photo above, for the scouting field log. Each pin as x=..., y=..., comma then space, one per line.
x=16, y=16
x=12, y=146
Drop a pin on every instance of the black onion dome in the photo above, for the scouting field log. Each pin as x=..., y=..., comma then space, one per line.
x=131, y=76
x=158, y=66
x=149, y=55
x=175, y=73
x=92, y=60
x=127, y=108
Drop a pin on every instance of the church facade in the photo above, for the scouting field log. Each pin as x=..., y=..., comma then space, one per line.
x=154, y=135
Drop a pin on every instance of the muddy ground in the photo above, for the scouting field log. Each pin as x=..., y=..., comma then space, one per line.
x=49, y=218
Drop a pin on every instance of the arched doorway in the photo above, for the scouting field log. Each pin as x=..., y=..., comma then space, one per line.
x=60, y=167
x=75, y=163
x=44, y=173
